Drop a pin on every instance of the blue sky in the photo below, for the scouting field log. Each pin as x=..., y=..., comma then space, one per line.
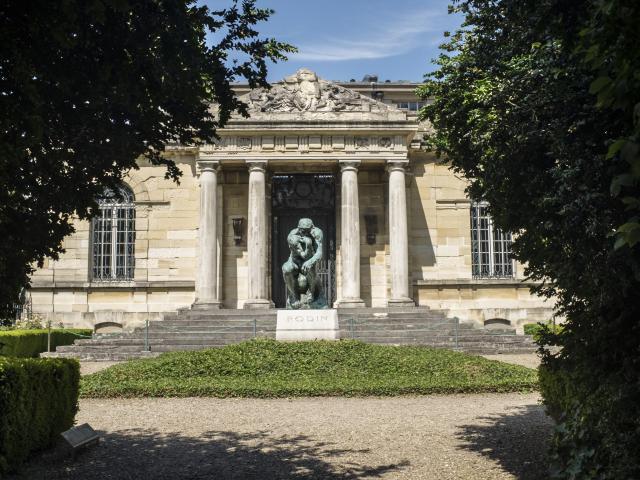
x=340, y=40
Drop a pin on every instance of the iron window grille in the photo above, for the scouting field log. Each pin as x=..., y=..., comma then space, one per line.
x=114, y=237
x=490, y=247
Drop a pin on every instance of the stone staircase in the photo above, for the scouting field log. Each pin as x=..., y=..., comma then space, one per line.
x=423, y=326
x=198, y=329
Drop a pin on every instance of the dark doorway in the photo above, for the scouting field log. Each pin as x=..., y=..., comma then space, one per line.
x=299, y=196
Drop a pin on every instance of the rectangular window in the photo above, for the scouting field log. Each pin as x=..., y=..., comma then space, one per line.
x=490, y=248
x=410, y=106
x=113, y=238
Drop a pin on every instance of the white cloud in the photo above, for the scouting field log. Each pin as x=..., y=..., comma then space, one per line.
x=386, y=39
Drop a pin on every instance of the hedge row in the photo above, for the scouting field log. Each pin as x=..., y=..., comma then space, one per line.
x=30, y=343
x=38, y=401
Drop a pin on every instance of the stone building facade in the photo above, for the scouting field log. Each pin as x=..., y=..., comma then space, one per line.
x=399, y=228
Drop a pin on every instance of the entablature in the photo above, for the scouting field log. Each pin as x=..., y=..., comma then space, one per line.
x=308, y=146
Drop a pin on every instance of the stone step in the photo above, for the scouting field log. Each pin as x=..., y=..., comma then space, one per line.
x=101, y=356
x=389, y=311
x=400, y=321
x=206, y=325
x=449, y=339
x=210, y=334
x=460, y=337
x=418, y=327
x=226, y=313
x=487, y=347
x=123, y=340
x=100, y=347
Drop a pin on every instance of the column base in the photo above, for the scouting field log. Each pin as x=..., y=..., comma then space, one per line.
x=350, y=303
x=257, y=303
x=206, y=305
x=400, y=302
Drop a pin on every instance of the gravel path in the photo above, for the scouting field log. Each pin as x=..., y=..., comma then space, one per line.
x=497, y=436
x=531, y=360
x=92, y=367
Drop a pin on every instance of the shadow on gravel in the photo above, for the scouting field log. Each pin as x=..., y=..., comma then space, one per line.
x=146, y=454
x=518, y=440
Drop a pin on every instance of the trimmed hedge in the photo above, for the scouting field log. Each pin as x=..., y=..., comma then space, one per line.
x=38, y=401
x=30, y=343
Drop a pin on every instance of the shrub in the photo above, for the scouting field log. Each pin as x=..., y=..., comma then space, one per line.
x=30, y=343
x=267, y=368
x=38, y=401
x=535, y=329
x=597, y=420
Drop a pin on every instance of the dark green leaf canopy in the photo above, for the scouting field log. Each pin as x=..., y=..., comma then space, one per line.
x=536, y=102
x=89, y=86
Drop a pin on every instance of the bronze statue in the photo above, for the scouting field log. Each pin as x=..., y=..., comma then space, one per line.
x=304, y=288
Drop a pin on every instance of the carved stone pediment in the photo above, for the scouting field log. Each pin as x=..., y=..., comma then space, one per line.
x=304, y=94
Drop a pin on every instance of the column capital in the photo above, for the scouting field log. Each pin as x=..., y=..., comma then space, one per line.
x=257, y=165
x=349, y=165
x=397, y=165
x=205, y=165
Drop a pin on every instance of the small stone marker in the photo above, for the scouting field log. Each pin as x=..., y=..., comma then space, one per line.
x=307, y=325
x=80, y=437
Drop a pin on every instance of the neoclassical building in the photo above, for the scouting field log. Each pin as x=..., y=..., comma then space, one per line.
x=398, y=228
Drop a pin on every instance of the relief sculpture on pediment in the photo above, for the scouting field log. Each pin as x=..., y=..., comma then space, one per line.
x=305, y=92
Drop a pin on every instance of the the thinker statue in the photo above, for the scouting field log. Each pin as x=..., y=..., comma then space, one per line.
x=304, y=288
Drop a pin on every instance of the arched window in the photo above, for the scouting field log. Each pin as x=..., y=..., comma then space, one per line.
x=490, y=248
x=113, y=236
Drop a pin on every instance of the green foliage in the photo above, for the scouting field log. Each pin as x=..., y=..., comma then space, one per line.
x=30, y=343
x=38, y=401
x=608, y=44
x=535, y=103
x=597, y=425
x=536, y=329
x=266, y=368
x=89, y=87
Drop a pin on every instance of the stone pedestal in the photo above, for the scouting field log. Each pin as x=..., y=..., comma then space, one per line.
x=350, y=236
x=398, y=236
x=207, y=280
x=307, y=325
x=258, y=295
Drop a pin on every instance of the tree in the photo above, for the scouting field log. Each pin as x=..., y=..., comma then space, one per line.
x=88, y=87
x=514, y=110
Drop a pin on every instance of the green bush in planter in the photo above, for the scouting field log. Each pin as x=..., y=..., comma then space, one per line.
x=38, y=401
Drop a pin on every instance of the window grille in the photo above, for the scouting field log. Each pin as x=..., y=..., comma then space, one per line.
x=114, y=237
x=490, y=248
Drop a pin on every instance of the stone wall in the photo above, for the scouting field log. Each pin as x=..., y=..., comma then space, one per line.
x=165, y=255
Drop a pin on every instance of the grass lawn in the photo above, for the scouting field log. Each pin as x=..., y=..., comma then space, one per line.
x=266, y=368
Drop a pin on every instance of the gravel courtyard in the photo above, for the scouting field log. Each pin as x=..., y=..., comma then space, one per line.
x=489, y=436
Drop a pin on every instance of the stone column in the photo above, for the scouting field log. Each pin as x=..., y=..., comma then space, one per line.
x=207, y=279
x=398, y=237
x=350, y=236
x=258, y=295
